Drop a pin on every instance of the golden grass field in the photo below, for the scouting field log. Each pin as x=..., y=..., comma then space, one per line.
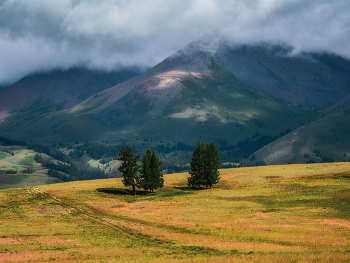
x=288, y=213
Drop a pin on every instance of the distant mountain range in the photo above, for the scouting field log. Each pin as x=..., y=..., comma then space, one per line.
x=209, y=90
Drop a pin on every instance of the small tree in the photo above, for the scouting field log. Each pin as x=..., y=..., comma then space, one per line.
x=212, y=162
x=196, y=178
x=151, y=174
x=204, y=166
x=146, y=176
x=157, y=178
x=129, y=167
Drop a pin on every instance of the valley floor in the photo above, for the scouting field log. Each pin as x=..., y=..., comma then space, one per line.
x=290, y=213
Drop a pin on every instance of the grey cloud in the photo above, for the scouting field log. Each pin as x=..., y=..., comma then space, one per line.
x=44, y=34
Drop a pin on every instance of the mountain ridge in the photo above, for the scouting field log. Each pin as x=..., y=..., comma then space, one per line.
x=203, y=92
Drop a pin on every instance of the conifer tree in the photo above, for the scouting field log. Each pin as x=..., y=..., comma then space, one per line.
x=146, y=176
x=151, y=174
x=212, y=162
x=196, y=178
x=204, y=166
x=129, y=167
x=157, y=179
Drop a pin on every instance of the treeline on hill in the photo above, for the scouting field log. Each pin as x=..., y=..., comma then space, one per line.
x=102, y=151
x=8, y=151
x=175, y=158
x=242, y=150
x=324, y=158
x=240, y=153
x=67, y=169
x=7, y=142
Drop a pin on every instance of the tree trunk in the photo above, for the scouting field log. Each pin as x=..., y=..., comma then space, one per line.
x=134, y=190
x=206, y=186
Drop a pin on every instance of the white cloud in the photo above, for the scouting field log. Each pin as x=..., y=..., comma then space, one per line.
x=43, y=34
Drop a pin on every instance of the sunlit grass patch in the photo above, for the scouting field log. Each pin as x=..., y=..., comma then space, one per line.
x=18, y=178
x=27, y=161
x=260, y=215
x=4, y=155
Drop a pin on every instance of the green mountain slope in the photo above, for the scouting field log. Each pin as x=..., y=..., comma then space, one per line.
x=324, y=140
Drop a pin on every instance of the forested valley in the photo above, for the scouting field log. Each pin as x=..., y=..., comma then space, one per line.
x=71, y=161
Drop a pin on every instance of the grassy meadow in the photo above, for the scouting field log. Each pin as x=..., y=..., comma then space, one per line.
x=289, y=213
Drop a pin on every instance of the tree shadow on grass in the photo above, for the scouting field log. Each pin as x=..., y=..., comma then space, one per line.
x=165, y=192
x=119, y=191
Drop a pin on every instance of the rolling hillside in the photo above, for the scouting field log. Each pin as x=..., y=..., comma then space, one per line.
x=290, y=213
x=21, y=160
x=323, y=140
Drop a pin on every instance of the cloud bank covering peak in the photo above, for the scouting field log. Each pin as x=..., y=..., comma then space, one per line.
x=46, y=34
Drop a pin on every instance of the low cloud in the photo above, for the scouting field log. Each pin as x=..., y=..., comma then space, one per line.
x=45, y=34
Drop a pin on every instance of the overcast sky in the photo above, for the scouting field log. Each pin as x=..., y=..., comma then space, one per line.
x=45, y=34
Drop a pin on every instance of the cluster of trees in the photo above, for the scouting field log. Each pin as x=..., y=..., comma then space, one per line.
x=148, y=176
x=11, y=172
x=71, y=170
x=178, y=147
x=243, y=149
x=204, y=172
x=7, y=142
x=324, y=158
x=51, y=151
x=205, y=165
x=8, y=151
x=96, y=151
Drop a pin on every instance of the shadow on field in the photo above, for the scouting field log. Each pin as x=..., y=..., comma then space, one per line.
x=119, y=191
x=165, y=192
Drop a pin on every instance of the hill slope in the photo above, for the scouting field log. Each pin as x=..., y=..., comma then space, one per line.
x=22, y=160
x=222, y=92
x=44, y=92
x=326, y=139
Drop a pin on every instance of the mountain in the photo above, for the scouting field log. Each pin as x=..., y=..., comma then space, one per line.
x=326, y=139
x=3, y=86
x=59, y=89
x=209, y=90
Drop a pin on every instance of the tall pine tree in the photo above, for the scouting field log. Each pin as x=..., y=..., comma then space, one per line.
x=129, y=167
x=157, y=180
x=212, y=162
x=151, y=174
x=204, y=166
x=196, y=178
x=146, y=176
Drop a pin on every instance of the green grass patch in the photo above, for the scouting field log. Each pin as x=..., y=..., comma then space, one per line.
x=27, y=161
x=17, y=167
x=4, y=155
x=310, y=193
x=18, y=178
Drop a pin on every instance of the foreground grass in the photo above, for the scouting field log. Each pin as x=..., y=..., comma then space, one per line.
x=295, y=213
